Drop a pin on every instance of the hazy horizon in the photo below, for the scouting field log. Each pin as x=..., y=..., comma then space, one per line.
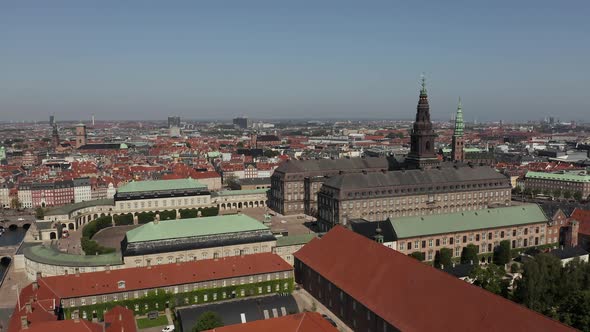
x=333, y=59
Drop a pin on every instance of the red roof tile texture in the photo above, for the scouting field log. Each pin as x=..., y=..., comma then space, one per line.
x=410, y=295
x=137, y=278
x=583, y=217
x=303, y=322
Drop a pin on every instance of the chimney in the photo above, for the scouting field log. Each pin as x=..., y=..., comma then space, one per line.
x=28, y=308
x=24, y=322
x=35, y=285
x=39, y=275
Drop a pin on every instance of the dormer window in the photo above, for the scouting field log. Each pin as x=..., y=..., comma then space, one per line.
x=121, y=284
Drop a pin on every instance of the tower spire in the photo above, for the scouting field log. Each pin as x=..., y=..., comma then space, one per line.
x=459, y=125
x=458, y=149
x=423, y=84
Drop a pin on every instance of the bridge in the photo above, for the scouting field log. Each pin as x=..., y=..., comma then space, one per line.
x=8, y=251
x=6, y=223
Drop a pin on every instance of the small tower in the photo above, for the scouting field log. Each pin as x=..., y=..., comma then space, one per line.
x=55, y=136
x=80, y=135
x=422, y=154
x=378, y=237
x=458, y=149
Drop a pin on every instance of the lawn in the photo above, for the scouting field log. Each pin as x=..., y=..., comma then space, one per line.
x=144, y=323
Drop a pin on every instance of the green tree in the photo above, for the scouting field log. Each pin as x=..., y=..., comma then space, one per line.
x=517, y=190
x=469, y=254
x=536, y=191
x=418, y=255
x=39, y=213
x=488, y=278
x=528, y=191
x=443, y=257
x=539, y=288
x=15, y=203
x=546, y=192
x=271, y=153
x=578, y=196
x=556, y=193
x=240, y=145
x=574, y=310
x=207, y=321
x=502, y=253
x=567, y=194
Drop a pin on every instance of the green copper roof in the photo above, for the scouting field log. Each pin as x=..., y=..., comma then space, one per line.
x=50, y=255
x=292, y=240
x=240, y=192
x=459, y=125
x=180, y=228
x=160, y=185
x=423, y=85
x=469, y=220
x=67, y=209
x=570, y=176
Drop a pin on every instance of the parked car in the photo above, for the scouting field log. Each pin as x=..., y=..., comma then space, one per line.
x=169, y=328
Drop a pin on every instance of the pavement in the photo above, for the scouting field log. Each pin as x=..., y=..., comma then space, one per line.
x=231, y=311
x=111, y=237
x=305, y=302
x=292, y=224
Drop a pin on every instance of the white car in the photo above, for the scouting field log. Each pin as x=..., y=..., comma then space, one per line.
x=169, y=328
x=21, y=219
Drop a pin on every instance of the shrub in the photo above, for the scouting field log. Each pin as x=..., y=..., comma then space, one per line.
x=145, y=217
x=167, y=215
x=123, y=219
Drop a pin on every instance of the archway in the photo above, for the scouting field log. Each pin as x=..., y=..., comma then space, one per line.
x=5, y=261
x=239, y=205
x=12, y=227
x=71, y=226
x=52, y=236
x=27, y=226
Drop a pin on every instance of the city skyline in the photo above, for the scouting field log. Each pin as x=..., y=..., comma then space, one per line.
x=335, y=60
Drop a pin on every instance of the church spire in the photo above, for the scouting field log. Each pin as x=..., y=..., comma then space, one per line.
x=422, y=137
x=459, y=125
x=423, y=84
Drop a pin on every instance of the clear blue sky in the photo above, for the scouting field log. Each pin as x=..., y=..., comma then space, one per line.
x=512, y=60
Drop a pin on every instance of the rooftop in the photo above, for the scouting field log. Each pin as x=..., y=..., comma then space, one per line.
x=303, y=322
x=423, y=299
x=408, y=227
x=570, y=176
x=50, y=255
x=160, y=185
x=191, y=227
x=67, y=209
x=292, y=240
x=240, y=192
x=137, y=278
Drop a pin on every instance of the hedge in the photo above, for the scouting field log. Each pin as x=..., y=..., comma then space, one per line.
x=123, y=219
x=145, y=217
x=188, y=213
x=209, y=211
x=167, y=215
x=96, y=225
x=158, y=300
x=92, y=247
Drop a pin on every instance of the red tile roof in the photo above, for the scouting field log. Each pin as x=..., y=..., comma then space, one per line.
x=410, y=295
x=119, y=319
x=137, y=278
x=303, y=322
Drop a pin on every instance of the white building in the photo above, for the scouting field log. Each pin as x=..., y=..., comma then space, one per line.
x=4, y=195
x=82, y=190
x=25, y=196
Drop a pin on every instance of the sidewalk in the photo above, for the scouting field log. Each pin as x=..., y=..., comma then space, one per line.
x=305, y=301
x=15, y=281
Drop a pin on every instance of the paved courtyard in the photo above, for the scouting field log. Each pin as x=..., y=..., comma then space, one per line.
x=111, y=237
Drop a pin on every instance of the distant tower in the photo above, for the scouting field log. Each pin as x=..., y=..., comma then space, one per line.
x=55, y=137
x=51, y=120
x=458, y=150
x=422, y=153
x=93, y=120
x=80, y=135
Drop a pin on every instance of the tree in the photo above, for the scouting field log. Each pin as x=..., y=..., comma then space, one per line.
x=536, y=192
x=443, y=257
x=517, y=190
x=469, y=254
x=556, y=192
x=207, y=321
x=240, y=145
x=418, y=255
x=528, y=191
x=567, y=194
x=502, y=253
x=15, y=203
x=546, y=192
x=271, y=153
x=39, y=213
x=578, y=196
x=488, y=278
x=539, y=287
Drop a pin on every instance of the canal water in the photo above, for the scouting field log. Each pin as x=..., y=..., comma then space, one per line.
x=10, y=238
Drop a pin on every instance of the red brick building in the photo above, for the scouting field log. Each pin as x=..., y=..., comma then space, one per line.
x=303, y=322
